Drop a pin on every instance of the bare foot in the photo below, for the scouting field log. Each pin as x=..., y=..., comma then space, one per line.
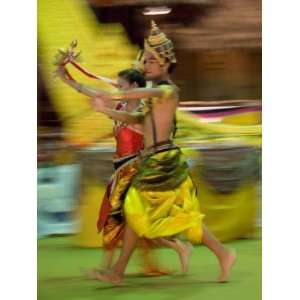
x=155, y=271
x=90, y=273
x=185, y=250
x=226, y=264
x=108, y=276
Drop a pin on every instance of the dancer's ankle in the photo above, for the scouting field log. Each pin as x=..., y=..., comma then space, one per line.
x=118, y=271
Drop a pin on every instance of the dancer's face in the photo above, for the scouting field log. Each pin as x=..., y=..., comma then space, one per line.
x=124, y=85
x=153, y=69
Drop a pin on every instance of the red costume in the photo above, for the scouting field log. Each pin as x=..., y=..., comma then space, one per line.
x=111, y=220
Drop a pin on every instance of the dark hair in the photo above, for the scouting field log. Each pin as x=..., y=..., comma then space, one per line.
x=133, y=76
x=172, y=68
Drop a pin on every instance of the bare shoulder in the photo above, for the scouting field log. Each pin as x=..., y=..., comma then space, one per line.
x=169, y=92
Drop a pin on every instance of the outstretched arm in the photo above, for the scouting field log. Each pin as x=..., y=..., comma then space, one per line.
x=81, y=88
x=101, y=105
x=134, y=94
x=161, y=92
x=123, y=116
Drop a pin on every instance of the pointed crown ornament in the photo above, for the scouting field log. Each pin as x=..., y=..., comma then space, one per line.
x=159, y=45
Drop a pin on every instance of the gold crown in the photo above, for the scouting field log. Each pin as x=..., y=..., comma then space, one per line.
x=159, y=45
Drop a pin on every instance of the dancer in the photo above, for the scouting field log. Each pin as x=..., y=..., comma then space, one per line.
x=129, y=140
x=161, y=201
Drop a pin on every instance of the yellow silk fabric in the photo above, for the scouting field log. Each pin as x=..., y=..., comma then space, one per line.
x=153, y=214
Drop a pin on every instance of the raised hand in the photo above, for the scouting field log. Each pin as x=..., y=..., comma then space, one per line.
x=100, y=104
x=61, y=72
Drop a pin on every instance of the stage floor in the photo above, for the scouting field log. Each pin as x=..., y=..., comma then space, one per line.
x=59, y=276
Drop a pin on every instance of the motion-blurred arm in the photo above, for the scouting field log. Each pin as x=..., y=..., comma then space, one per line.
x=81, y=88
x=103, y=106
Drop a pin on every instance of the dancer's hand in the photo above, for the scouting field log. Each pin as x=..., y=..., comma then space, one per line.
x=100, y=104
x=61, y=72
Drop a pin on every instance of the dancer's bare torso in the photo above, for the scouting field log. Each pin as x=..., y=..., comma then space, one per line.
x=163, y=112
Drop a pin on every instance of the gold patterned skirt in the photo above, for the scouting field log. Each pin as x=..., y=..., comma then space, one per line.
x=111, y=216
x=162, y=199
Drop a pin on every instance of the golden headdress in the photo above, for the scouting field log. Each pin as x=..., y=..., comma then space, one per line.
x=159, y=45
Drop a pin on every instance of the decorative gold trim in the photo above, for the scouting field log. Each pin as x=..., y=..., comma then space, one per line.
x=159, y=45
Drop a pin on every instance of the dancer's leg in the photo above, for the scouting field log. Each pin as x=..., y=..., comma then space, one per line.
x=150, y=266
x=225, y=257
x=116, y=274
x=183, y=249
x=108, y=258
x=105, y=264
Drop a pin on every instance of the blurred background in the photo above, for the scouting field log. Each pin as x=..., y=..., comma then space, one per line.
x=218, y=48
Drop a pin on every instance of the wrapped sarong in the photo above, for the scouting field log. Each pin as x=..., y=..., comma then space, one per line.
x=111, y=216
x=162, y=199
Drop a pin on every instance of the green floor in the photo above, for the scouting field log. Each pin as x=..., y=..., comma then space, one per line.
x=59, y=275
